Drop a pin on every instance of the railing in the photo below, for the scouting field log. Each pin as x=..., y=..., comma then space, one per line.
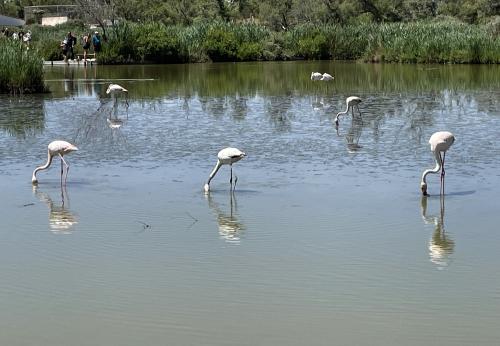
x=34, y=14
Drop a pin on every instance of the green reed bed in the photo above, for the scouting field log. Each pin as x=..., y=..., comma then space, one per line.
x=21, y=69
x=417, y=42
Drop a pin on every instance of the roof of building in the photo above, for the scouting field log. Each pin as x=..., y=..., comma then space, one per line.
x=9, y=21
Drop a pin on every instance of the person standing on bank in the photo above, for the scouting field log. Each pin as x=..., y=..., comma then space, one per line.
x=96, y=42
x=86, y=46
x=70, y=42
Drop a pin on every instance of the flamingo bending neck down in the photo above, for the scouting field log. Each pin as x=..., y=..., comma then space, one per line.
x=115, y=89
x=60, y=148
x=440, y=142
x=226, y=156
x=326, y=77
x=351, y=102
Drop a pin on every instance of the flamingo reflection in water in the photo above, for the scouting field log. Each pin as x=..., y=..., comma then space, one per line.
x=441, y=246
x=353, y=135
x=230, y=228
x=61, y=219
x=115, y=122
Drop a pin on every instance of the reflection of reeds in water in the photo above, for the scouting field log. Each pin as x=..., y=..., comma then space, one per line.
x=61, y=219
x=441, y=246
x=230, y=228
x=103, y=127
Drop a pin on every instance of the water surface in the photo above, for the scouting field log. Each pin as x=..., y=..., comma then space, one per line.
x=325, y=240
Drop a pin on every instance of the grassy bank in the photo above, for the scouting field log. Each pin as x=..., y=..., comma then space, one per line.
x=419, y=42
x=21, y=70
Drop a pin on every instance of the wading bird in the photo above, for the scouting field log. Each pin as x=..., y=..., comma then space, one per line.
x=326, y=77
x=440, y=142
x=115, y=89
x=351, y=102
x=226, y=156
x=60, y=148
x=316, y=76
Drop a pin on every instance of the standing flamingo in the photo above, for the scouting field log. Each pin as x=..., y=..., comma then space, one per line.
x=115, y=89
x=60, y=148
x=440, y=142
x=351, y=102
x=226, y=156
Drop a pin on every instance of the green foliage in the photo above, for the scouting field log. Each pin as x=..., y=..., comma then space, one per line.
x=21, y=69
x=221, y=45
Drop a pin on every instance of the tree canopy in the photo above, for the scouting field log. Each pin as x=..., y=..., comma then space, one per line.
x=277, y=14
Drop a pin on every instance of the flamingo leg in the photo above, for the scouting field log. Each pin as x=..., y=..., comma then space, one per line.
x=235, y=181
x=67, y=169
x=231, y=178
x=357, y=107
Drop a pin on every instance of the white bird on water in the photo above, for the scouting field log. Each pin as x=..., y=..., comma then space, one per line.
x=59, y=148
x=351, y=102
x=326, y=77
x=226, y=156
x=316, y=76
x=440, y=142
x=115, y=90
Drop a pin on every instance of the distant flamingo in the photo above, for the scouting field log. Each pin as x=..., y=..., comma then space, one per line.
x=226, y=156
x=115, y=89
x=326, y=77
x=351, y=102
x=440, y=142
x=60, y=148
x=316, y=76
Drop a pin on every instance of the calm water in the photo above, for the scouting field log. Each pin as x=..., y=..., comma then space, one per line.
x=326, y=239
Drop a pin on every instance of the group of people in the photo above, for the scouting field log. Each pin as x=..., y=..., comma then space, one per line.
x=17, y=35
x=69, y=42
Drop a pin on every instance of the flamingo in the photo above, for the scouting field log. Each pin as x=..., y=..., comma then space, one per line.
x=60, y=148
x=440, y=142
x=326, y=77
x=316, y=76
x=351, y=102
x=226, y=156
x=115, y=89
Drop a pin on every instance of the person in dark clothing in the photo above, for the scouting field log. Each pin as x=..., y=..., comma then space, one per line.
x=96, y=42
x=70, y=43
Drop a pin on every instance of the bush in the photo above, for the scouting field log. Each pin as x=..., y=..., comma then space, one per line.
x=21, y=69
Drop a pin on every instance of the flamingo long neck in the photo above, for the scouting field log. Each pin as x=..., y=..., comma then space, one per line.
x=49, y=161
x=214, y=171
x=436, y=169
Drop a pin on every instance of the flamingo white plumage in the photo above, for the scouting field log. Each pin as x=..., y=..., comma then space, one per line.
x=440, y=142
x=226, y=156
x=54, y=148
x=115, y=90
x=351, y=102
x=316, y=76
x=326, y=77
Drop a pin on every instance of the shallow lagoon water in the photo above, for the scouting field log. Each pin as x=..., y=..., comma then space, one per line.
x=326, y=239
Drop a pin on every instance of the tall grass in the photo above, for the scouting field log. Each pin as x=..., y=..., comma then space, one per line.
x=21, y=69
x=417, y=42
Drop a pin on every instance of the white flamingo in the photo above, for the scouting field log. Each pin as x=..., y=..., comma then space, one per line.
x=326, y=77
x=316, y=76
x=226, y=156
x=60, y=148
x=351, y=102
x=115, y=89
x=440, y=142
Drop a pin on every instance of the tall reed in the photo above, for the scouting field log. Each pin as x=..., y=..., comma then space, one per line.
x=21, y=69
